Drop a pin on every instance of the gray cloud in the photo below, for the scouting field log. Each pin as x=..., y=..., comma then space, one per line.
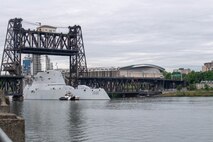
x=169, y=33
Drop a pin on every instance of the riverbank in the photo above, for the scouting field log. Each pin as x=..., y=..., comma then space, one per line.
x=195, y=93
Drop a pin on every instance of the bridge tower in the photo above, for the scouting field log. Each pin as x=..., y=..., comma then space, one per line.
x=11, y=59
x=18, y=40
x=11, y=82
x=80, y=60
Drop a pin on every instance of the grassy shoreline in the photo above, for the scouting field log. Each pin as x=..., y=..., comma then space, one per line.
x=195, y=93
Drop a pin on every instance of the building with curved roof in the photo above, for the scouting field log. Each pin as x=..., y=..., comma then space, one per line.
x=142, y=70
x=138, y=70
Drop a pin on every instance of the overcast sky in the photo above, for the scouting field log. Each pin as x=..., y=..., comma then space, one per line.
x=167, y=33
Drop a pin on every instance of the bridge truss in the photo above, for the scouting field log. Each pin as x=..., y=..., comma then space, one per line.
x=19, y=40
x=130, y=85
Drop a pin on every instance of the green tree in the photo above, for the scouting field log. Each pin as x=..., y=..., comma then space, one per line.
x=167, y=75
x=179, y=87
x=197, y=77
x=206, y=87
x=191, y=87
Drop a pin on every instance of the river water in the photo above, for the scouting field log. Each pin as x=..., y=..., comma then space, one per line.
x=174, y=119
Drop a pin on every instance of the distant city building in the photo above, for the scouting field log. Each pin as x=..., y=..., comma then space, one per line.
x=47, y=63
x=36, y=59
x=140, y=70
x=26, y=67
x=182, y=70
x=51, y=66
x=207, y=66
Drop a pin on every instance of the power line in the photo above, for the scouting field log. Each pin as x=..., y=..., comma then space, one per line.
x=32, y=23
x=61, y=27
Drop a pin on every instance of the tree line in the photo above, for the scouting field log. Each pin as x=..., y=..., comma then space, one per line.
x=192, y=78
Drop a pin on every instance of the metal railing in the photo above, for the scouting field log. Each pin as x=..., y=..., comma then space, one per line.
x=4, y=137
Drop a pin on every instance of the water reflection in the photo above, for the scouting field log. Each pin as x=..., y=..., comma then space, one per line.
x=16, y=107
x=126, y=120
x=76, y=121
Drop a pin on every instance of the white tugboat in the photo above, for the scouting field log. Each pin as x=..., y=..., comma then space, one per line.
x=69, y=96
x=51, y=85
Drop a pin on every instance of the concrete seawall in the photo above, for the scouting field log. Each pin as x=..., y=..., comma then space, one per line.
x=12, y=125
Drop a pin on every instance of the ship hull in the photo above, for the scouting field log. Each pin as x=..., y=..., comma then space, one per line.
x=50, y=85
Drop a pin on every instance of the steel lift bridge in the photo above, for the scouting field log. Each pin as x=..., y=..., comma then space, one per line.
x=19, y=40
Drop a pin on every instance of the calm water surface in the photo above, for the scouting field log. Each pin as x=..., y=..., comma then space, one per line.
x=178, y=119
